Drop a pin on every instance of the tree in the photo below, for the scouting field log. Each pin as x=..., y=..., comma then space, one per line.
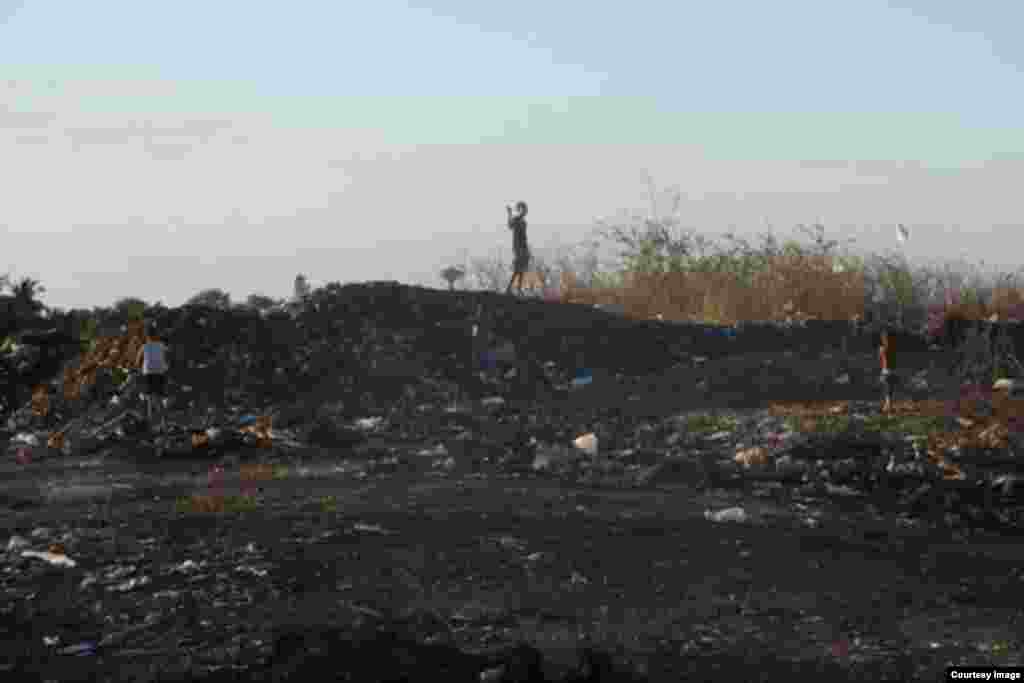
x=214, y=298
x=131, y=308
x=26, y=292
x=654, y=242
x=261, y=302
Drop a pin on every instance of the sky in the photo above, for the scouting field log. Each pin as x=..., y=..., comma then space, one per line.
x=155, y=150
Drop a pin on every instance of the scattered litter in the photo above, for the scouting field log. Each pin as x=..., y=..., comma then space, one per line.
x=734, y=514
x=52, y=558
x=582, y=378
x=578, y=579
x=438, y=451
x=17, y=543
x=119, y=572
x=492, y=675
x=369, y=423
x=246, y=569
x=27, y=439
x=841, y=490
x=79, y=649
x=23, y=456
x=751, y=457
x=587, y=444
x=511, y=543
x=130, y=584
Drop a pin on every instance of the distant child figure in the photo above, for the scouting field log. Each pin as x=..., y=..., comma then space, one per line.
x=153, y=359
x=517, y=224
x=888, y=379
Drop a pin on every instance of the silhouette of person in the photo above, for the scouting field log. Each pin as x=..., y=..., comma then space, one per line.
x=517, y=224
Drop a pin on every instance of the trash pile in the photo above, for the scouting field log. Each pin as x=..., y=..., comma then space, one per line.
x=964, y=461
x=114, y=354
x=382, y=368
x=360, y=350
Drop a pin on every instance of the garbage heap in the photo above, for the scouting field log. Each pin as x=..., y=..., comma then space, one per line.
x=345, y=352
x=362, y=350
x=115, y=354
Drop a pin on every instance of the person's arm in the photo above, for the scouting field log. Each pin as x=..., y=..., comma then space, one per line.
x=138, y=356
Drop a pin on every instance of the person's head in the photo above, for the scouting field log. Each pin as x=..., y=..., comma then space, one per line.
x=521, y=208
x=151, y=331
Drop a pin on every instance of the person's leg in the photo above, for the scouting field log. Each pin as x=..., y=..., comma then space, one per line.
x=161, y=399
x=147, y=391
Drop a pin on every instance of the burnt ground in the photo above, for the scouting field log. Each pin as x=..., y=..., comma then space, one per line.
x=350, y=566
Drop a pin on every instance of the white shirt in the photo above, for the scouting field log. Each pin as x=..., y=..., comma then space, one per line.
x=154, y=358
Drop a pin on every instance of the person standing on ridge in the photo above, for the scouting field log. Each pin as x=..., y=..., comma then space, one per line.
x=517, y=224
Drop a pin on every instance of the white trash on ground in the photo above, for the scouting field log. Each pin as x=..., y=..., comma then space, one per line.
x=26, y=439
x=52, y=558
x=17, y=543
x=727, y=515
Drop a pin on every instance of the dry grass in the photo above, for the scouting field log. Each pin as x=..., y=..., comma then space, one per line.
x=790, y=287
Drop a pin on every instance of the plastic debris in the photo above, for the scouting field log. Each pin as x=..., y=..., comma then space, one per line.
x=369, y=423
x=734, y=514
x=587, y=444
x=51, y=558
x=79, y=649
x=582, y=378
x=25, y=438
x=17, y=543
x=23, y=456
x=130, y=584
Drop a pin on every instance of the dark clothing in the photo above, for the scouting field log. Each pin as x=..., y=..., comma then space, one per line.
x=522, y=261
x=517, y=224
x=154, y=384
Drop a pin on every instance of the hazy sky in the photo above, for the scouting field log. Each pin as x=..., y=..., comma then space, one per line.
x=157, y=149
